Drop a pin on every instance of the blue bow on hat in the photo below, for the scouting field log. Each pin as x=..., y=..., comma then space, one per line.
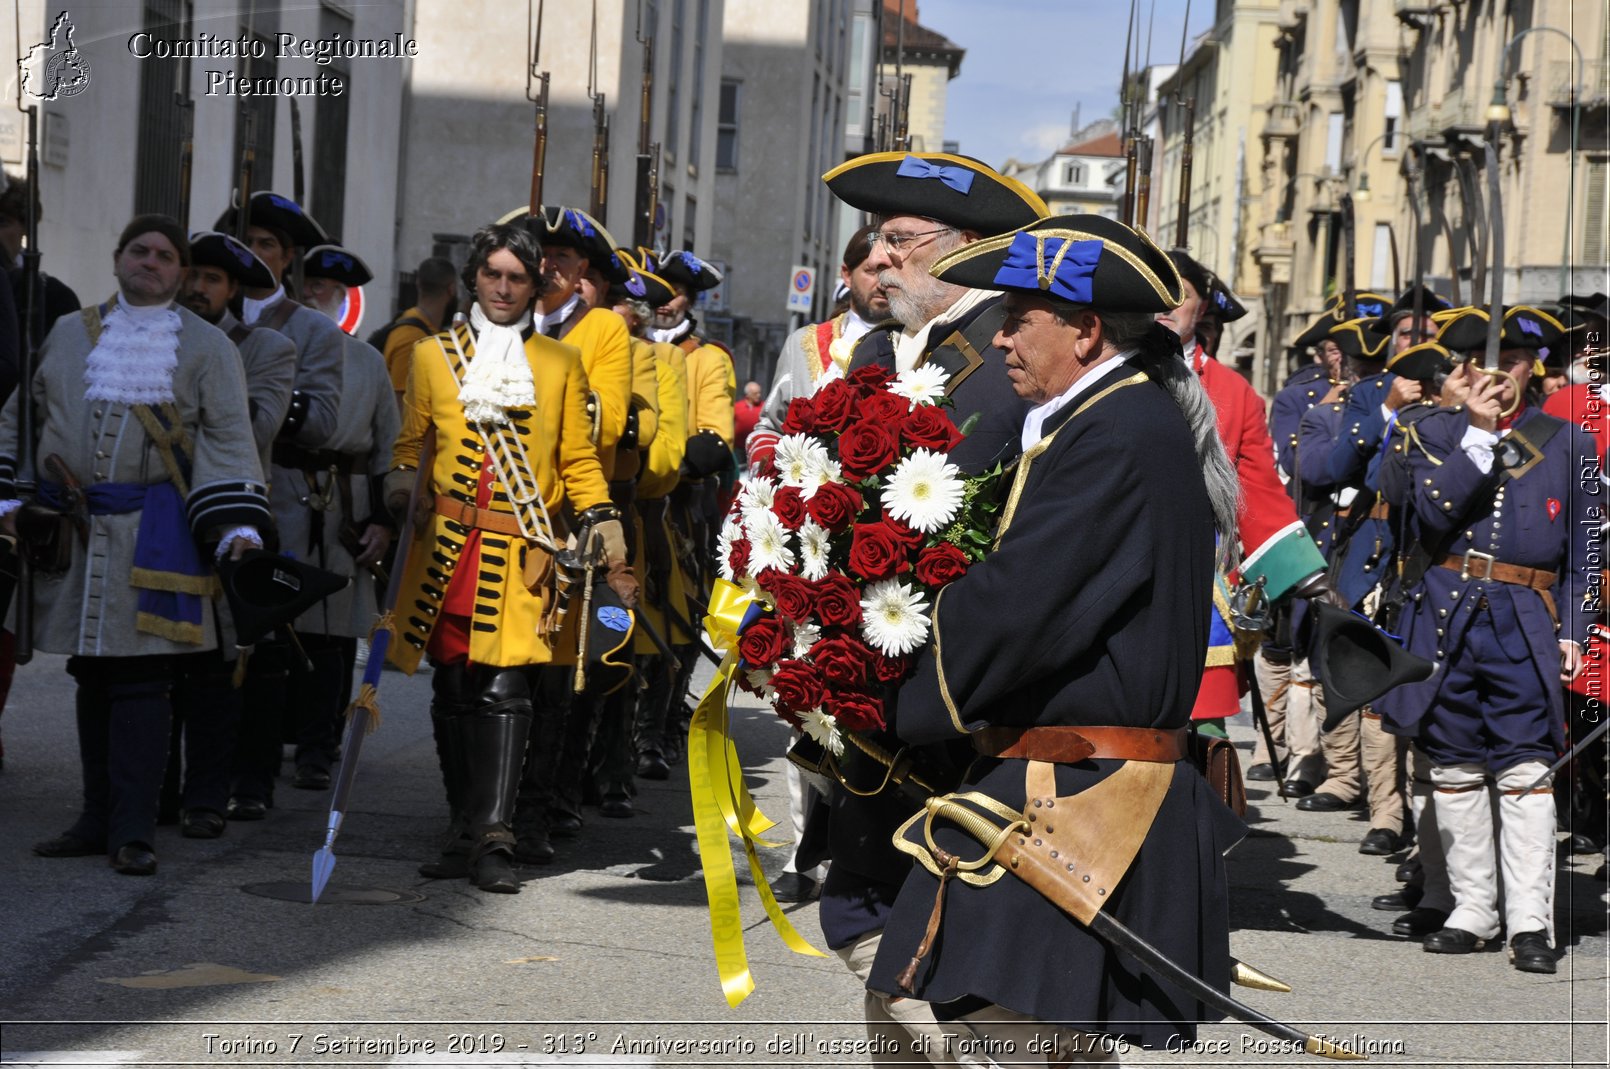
x=635, y=287
x=1369, y=308
x=330, y=259
x=958, y=178
x=1529, y=326
x=578, y=223
x=284, y=203
x=691, y=262
x=1069, y=274
x=241, y=252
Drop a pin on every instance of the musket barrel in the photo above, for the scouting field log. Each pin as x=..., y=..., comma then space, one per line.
x=28, y=361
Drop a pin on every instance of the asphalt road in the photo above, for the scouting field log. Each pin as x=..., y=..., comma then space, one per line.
x=605, y=957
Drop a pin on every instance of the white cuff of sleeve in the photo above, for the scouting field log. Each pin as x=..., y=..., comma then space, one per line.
x=247, y=533
x=1386, y=413
x=1478, y=446
x=10, y=505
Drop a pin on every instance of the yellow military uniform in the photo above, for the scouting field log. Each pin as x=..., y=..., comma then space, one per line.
x=662, y=462
x=400, y=344
x=606, y=357
x=646, y=403
x=712, y=389
x=559, y=459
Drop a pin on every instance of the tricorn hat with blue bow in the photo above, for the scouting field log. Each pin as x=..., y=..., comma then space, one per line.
x=208, y=248
x=1084, y=259
x=955, y=190
x=1369, y=305
x=1221, y=303
x=272, y=211
x=1524, y=327
x=575, y=229
x=684, y=269
x=1431, y=302
x=1357, y=338
x=336, y=264
x=640, y=284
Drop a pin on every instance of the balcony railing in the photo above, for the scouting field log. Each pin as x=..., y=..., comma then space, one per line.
x=1558, y=83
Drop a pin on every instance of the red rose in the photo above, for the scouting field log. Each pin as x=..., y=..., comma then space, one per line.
x=801, y=418
x=838, y=602
x=798, y=686
x=835, y=405
x=867, y=447
x=890, y=669
x=791, y=593
x=853, y=710
x=909, y=536
x=738, y=557
x=876, y=552
x=941, y=564
x=885, y=407
x=789, y=505
x=870, y=377
x=842, y=660
x=834, y=505
x=930, y=427
x=762, y=642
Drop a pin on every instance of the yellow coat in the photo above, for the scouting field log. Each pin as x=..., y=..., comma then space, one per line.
x=606, y=357
x=662, y=461
x=712, y=389
x=506, y=628
x=646, y=403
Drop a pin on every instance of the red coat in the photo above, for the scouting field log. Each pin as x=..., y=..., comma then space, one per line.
x=1581, y=407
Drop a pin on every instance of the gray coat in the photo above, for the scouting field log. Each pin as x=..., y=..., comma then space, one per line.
x=269, y=359
x=90, y=610
x=366, y=428
x=318, y=368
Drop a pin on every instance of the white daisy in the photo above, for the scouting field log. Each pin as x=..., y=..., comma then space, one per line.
x=730, y=532
x=894, y=617
x=824, y=729
x=757, y=496
x=806, y=635
x=924, y=491
x=814, y=545
x=819, y=471
x=797, y=456
x=760, y=679
x=768, y=544
x=921, y=385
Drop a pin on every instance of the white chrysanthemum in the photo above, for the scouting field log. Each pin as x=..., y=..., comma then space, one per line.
x=924, y=491
x=768, y=544
x=814, y=545
x=797, y=456
x=806, y=635
x=921, y=385
x=820, y=471
x=730, y=533
x=760, y=679
x=757, y=495
x=894, y=617
x=824, y=729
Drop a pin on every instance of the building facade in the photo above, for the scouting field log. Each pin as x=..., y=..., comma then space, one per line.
x=1086, y=175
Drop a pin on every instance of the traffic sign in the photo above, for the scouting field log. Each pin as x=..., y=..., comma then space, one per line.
x=801, y=289
x=352, y=311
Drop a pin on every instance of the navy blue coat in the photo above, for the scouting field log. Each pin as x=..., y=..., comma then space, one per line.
x=1339, y=450
x=1302, y=391
x=1092, y=610
x=1546, y=521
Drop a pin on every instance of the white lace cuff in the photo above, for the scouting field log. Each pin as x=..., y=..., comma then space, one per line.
x=248, y=534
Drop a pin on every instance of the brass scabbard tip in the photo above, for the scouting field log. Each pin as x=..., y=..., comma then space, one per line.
x=1327, y=1048
x=1247, y=976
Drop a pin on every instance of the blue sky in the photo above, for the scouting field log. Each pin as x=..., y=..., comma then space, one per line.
x=1029, y=62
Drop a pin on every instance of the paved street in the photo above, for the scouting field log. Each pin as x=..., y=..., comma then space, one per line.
x=605, y=959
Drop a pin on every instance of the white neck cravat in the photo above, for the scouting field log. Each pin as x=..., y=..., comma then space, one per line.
x=499, y=375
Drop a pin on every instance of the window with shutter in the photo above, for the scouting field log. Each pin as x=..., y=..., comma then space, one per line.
x=1595, y=221
x=162, y=84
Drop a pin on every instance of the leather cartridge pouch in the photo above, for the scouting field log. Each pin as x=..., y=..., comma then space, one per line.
x=536, y=570
x=45, y=537
x=1216, y=759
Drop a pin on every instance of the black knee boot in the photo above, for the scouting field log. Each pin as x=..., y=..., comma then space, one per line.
x=493, y=736
x=538, y=812
x=452, y=694
x=648, y=728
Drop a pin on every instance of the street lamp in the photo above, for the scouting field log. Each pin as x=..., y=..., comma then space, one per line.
x=1499, y=114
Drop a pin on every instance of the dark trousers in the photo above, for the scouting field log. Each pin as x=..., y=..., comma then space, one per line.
x=319, y=699
x=124, y=707
x=265, y=698
x=206, y=726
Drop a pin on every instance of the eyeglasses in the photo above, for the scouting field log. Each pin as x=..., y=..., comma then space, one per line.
x=897, y=244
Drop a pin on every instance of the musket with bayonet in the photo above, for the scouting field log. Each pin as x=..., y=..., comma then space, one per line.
x=1127, y=122
x=1182, y=225
x=187, y=155
x=647, y=197
x=536, y=91
x=1410, y=168
x=33, y=307
x=248, y=149
x=599, y=199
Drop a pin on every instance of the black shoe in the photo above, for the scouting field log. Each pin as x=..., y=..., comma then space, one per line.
x=615, y=805
x=451, y=865
x=202, y=824
x=794, y=887
x=564, y=825
x=1530, y=952
x=1408, y=872
x=651, y=765
x=247, y=809
x=1263, y=770
x=533, y=848
x=68, y=845
x=492, y=872
x=1405, y=897
x=134, y=859
x=311, y=778
x=1298, y=788
x=1579, y=844
x=1418, y=923
x=1378, y=842
x=1455, y=941
x=1324, y=802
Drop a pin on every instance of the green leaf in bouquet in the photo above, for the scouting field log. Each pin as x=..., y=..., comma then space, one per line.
x=969, y=423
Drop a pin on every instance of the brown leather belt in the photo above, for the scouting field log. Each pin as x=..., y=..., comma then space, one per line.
x=1068, y=745
x=1379, y=510
x=463, y=512
x=1475, y=565
x=296, y=458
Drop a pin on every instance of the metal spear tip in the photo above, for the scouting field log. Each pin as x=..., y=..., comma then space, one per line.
x=1245, y=975
x=323, y=866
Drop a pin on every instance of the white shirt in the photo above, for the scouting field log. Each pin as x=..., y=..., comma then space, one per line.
x=558, y=315
x=1478, y=446
x=908, y=349
x=1035, y=420
x=251, y=311
x=854, y=326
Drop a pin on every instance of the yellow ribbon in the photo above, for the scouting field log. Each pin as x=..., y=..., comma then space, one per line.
x=722, y=804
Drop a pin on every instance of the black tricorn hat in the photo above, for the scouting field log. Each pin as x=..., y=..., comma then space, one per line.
x=209, y=248
x=640, y=283
x=1357, y=339
x=957, y=190
x=1084, y=259
x=609, y=640
x=684, y=269
x=1525, y=326
x=1422, y=362
x=575, y=229
x=1221, y=302
x=1357, y=662
x=1431, y=302
x=1592, y=304
x=275, y=212
x=1369, y=305
x=337, y=264
x=267, y=590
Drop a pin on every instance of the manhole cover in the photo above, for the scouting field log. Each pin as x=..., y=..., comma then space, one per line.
x=335, y=894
